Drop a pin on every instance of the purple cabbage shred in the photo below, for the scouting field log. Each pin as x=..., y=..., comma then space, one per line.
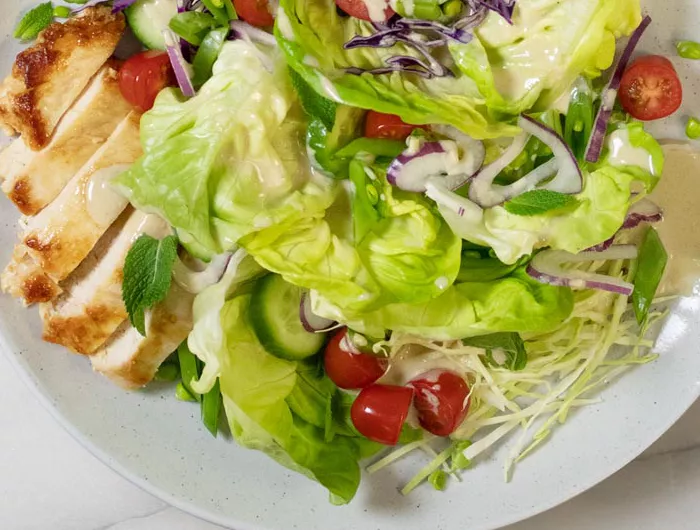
x=423, y=36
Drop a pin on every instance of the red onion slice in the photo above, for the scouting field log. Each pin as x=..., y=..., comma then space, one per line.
x=644, y=211
x=311, y=321
x=546, y=267
x=564, y=167
x=196, y=281
x=609, y=95
x=569, y=178
x=180, y=66
x=454, y=160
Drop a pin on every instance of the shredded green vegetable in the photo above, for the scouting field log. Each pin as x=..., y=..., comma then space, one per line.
x=599, y=342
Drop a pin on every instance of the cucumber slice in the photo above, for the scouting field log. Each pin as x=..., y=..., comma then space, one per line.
x=148, y=18
x=274, y=316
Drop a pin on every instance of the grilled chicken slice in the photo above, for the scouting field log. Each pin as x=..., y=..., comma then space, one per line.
x=49, y=76
x=32, y=179
x=131, y=360
x=92, y=309
x=62, y=235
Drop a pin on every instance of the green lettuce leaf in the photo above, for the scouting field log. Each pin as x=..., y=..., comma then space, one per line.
x=376, y=245
x=312, y=34
x=597, y=215
x=516, y=303
x=505, y=70
x=228, y=161
x=269, y=411
x=533, y=62
x=633, y=150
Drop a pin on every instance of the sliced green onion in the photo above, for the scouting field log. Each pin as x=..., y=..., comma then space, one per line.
x=217, y=9
x=192, y=26
x=373, y=146
x=167, y=372
x=688, y=49
x=207, y=54
x=650, y=269
x=230, y=10
x=579, y=119
x=692, y=128
x=188, y=369
x=183, y=394
x=211, y=409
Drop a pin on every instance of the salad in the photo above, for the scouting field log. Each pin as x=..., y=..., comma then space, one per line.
x=350, y=229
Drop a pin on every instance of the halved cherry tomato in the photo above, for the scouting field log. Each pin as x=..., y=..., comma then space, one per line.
x=442, y=401
x=358, y=9
x=379, y=125
x=379, y=412
x=143, y=76
x=254, y=12
x=349, y=368
x=650, y=88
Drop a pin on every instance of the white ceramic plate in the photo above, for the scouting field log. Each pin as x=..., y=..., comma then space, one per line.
x=159, y=443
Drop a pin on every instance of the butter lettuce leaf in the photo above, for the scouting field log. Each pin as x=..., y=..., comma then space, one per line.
x=504, y=71
x=268, y=408
x=516, y=303
x=533, y=62
x=598, y=214
x=312, y=34
x=229, y=161
x=371, y=248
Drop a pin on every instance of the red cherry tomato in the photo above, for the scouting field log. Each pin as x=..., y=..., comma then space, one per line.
x=378, y=125
x=351, y=369
x=254, y=12
x=650, y=88
x=442, y=401
x=379, y=412
x=143, y=76
x=358, y=9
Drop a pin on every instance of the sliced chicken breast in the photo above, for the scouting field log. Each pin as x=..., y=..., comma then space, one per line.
x=92, y=309
x=25, y=279
x=48, y=77
x=32, y=179
x=62, y=235
x=131, y=360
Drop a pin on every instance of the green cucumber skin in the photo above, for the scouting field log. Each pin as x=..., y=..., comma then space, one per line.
x=143, y=27
x=276, y=341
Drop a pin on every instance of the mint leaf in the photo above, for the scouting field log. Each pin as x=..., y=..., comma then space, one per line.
x=34, y=22
x=147, y=276
x=315, y=105
x=537, y=202
x=509, y=343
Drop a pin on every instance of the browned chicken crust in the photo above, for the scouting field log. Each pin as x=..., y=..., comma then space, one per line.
x=49, y=76
x=32, y=179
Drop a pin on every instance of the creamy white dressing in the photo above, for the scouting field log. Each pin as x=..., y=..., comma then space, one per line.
x=677, y=194
x=536, y=54
x=376, y=9
x=623, y=153
x=413, y=361
x=102, y=201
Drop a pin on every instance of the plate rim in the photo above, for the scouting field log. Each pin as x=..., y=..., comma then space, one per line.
x=27, y=376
